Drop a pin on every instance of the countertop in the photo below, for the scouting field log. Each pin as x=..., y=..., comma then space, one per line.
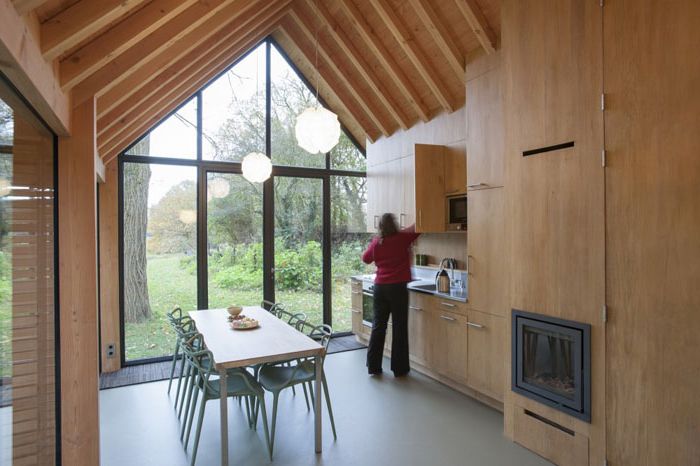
x=461, y=296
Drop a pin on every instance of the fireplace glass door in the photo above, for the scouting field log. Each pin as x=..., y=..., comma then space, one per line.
x=548, y=361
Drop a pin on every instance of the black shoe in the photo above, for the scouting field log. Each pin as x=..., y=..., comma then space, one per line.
x=401, y=374
x=377, y=372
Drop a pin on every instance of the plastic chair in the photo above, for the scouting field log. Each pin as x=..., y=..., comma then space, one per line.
x=275, y=378
x=272, y=308
x=206, y=382
x=176, y=319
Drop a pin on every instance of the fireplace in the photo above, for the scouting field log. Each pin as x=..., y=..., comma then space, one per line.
x=551, y=362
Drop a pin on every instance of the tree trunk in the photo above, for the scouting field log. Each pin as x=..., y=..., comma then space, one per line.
x=137, y=307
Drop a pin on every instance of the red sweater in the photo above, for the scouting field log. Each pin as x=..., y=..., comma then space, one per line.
x=392, y=256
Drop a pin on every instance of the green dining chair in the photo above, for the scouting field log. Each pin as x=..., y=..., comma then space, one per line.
x=272, y=308
x=176, y=319
x=240, y=383
x=275, y=378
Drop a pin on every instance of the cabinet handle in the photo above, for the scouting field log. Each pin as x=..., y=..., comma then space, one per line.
x=376, y=219
x=420, y=217
x=472, y=324
x=415, y=308
x=451, y=319
x=478, y=186
x=447, y=304
x=401, y=222
x=355, y=311
x=356, y=292
x=468, y=257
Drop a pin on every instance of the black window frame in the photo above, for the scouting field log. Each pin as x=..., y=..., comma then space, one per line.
x=204, y=167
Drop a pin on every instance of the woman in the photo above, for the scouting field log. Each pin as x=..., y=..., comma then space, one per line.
x=391, y=253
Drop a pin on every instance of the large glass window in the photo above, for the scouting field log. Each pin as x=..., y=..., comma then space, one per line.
x=160, y=253
x=27, y=280
x=197, y=234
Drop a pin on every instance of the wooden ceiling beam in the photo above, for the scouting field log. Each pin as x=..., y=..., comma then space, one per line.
x=79, y=21
x=397, y=75
x=22, y=63
x=184, y=32
x=370, y=110
x=196, y=76
x=441, y=36
x=414, y=53
x=97, y=53
x=350, y=106
x=358, y=61
x=25, y=6
x=193, y=63
x=177, y=95
x=480, y=26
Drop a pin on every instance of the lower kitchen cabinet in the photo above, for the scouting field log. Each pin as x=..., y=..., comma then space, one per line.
x=356, y=306
x=418, y=314
x=448, y=348
x=486, y=353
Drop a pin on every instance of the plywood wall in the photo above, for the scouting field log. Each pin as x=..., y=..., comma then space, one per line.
x=653, y=232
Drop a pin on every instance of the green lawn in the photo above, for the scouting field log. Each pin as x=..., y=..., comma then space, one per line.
x=170, y=285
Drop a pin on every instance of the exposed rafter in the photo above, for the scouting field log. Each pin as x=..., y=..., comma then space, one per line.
x=441, y=35
x=178, y=94
x=342, y=75
x=382, y=54
x=475, y=17
x=358, y=61
x=25, y=6
x=78, y=22
x=223, y=43
x=414, y=53
x=351, y=107
x=83, y=62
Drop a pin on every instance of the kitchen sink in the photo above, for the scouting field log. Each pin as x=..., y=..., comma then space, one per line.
x=428, y=287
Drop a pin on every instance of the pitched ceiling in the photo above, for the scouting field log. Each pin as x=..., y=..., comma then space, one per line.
x=382, y=64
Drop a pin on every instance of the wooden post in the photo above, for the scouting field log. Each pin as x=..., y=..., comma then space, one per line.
x=109, y=268
x=78, y=290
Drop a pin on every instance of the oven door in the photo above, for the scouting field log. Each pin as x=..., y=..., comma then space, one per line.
x=368, y=307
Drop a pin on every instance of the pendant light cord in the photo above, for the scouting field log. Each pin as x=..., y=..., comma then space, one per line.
x=318, y=73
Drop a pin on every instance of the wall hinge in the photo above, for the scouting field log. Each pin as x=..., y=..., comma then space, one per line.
x=602, y=158
x=604, y=313
x=602, y=101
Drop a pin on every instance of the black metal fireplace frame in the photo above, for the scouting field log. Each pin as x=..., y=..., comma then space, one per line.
x=580, y=407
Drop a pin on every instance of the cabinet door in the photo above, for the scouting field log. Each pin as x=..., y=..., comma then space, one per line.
x=384, y=192
x=450, y=346
x=485, y=132
x=455, y=169
x=417, y=327
x=486, y=265
x=407, y=216
x=373, y=186
x=486, y=353
x=429, y=193
x=356, y=306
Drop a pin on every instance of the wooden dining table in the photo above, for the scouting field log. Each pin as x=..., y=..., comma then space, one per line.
x=273, y=341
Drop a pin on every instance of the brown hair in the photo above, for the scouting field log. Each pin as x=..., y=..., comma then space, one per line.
x=387, y=225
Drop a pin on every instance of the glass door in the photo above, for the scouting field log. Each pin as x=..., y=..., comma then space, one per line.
x=298, y=239
x=234, y=240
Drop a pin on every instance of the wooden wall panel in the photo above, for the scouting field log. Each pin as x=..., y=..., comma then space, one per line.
x=653, y=231
x=109, y=269
x=555, y=200
x=80, y=430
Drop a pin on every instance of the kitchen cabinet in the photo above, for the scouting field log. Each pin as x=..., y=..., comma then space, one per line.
x=356, y=306
x=412, y=188
x=455, y=170
x=486, y=262
x=448, y=351
x=418, y=326
x=485, y=131
x=486, y=344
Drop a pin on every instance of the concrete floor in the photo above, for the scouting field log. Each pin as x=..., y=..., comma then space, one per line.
x=380, y=421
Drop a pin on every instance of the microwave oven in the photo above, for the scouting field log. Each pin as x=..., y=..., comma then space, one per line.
x=457, y=212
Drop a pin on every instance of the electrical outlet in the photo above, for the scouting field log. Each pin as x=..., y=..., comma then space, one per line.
x=111, y=350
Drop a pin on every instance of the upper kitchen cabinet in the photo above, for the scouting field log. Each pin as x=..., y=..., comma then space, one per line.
x=485, y=131
x=455, y=169
x=411, y=188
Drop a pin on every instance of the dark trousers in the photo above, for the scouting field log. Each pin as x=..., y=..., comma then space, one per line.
x=389, y=300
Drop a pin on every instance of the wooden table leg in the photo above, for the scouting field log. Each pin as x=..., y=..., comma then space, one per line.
x=317, y=402
x=224, y=417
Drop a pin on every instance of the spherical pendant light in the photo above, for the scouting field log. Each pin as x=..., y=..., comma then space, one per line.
x=317, y=130
x=256, y=167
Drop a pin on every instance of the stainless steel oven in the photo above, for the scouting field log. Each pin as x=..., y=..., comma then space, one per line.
x=368, y=302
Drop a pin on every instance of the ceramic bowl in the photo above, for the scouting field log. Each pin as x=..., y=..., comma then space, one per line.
x=234, y=310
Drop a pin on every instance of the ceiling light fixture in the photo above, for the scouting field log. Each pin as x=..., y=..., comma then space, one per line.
x=256, y=167
x=317, y=129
